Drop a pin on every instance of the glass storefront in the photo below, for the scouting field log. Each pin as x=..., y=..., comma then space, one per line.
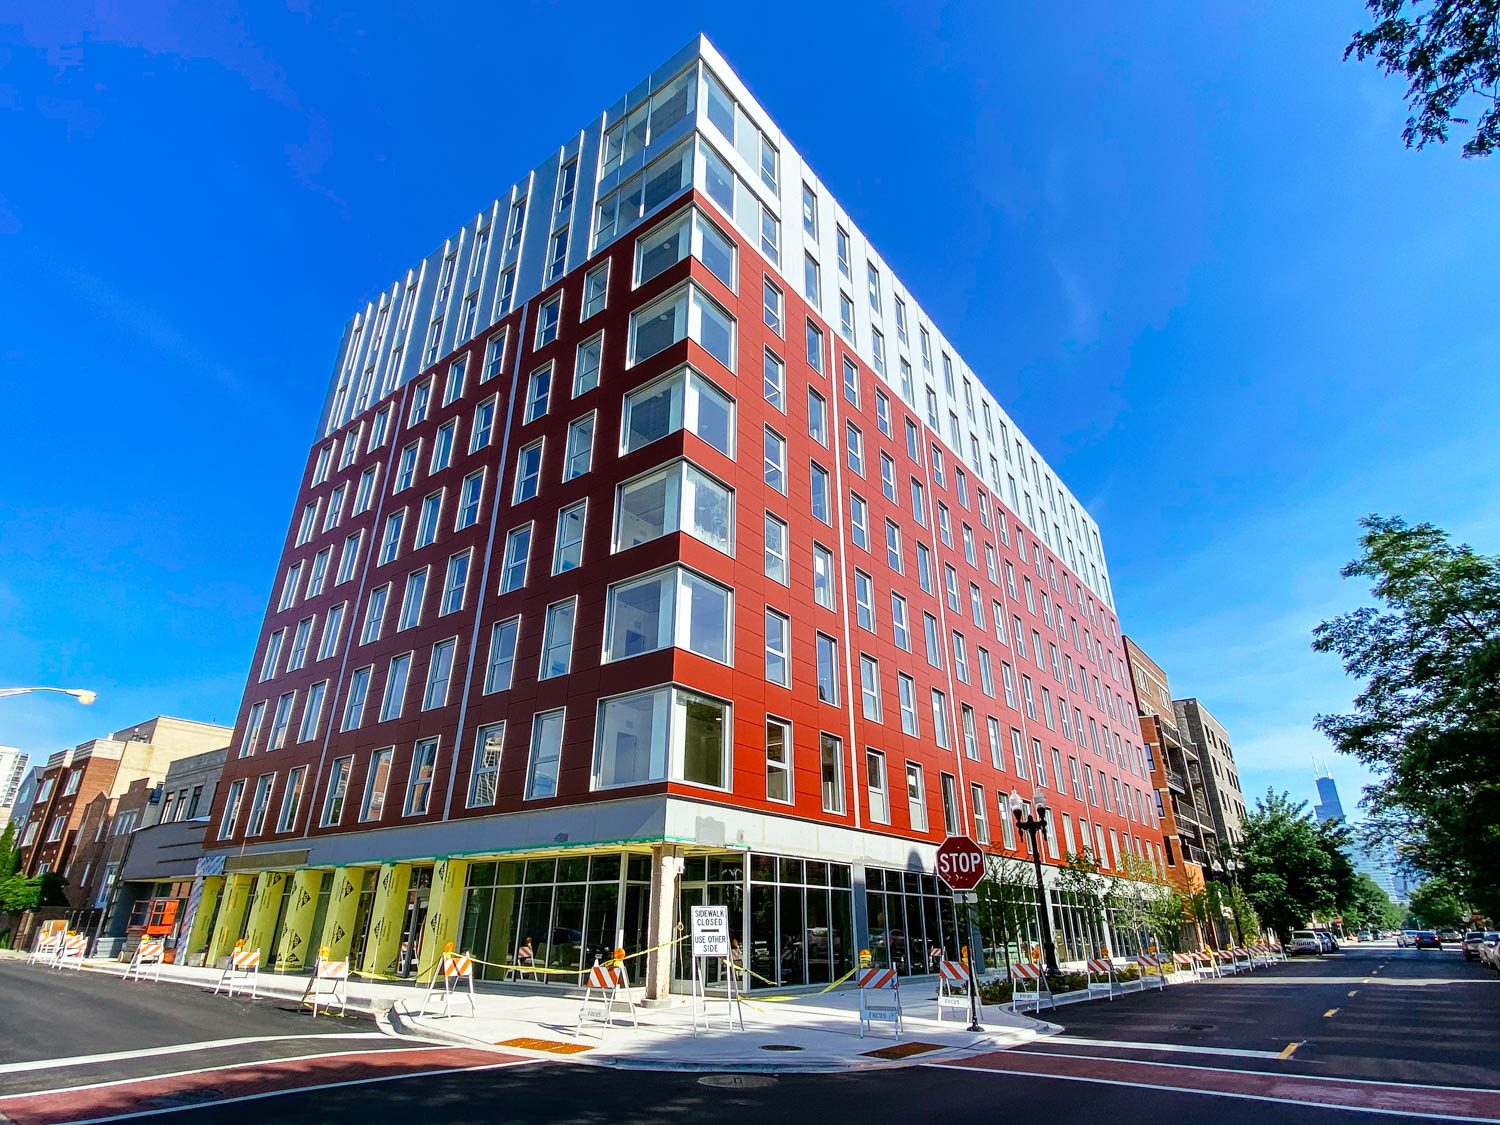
x=801, y=921
x=912, y=920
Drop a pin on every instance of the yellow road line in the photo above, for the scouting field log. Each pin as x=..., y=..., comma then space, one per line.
x=1286, y=1052
x=1352, y=991
x=1328, y=1015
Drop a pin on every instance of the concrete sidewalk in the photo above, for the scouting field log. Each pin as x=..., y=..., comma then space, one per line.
x=812, y=1032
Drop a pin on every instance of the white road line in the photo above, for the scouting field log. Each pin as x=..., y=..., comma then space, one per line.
x=307, y=1090
x=58, y=1090
x=171, y=1049
x=1180, y=1090
x=1172, y=1047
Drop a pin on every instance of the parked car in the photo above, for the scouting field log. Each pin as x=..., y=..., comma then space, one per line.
x=1403, y=938
x=1426, y=939
x=1471, y=943
x=1304, y=941
x=1449, y=934
x=1364, y=935
x=1489, y=950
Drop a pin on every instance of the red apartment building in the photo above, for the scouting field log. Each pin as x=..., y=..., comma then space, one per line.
x=657, y=549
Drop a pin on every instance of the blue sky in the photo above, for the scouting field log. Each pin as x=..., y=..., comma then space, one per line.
x=1184, y=247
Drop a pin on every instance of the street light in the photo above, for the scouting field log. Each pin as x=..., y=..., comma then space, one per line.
x=1032, y=827
x=83, y=695
x=1220, y=868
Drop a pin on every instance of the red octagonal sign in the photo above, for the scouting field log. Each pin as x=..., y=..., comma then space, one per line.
x=960, y=863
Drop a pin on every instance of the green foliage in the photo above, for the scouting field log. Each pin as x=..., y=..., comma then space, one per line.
x=1007, y=898
x=1437, y=903
x=1370, y=907
x=1449, y=54
x=1292, y=867
x=1427, y=720
x=18, y=893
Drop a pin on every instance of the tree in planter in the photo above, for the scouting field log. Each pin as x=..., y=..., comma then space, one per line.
x=1130, y=895
x=1087, y=888
x=1005, y=902
x=1166, y=911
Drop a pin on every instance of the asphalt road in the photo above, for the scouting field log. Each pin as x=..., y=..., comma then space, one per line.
x=1289, y=1043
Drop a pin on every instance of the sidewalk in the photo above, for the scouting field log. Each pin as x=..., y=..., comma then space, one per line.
x=816, y=1032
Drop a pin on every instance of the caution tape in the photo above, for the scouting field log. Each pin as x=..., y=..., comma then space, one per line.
x=533, y=968
x=786, y=998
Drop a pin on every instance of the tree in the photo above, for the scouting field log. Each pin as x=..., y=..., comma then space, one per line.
x=1084, y=885
x=1437, y=903
x=1292, y=867
x=1370, y=907
x=1007, y=902
x=1427, y=719
x=1450, y=55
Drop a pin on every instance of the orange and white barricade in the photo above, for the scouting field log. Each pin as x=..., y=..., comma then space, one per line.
x=608, y=987
x=149, y=956
x=1151, y=966
x=329, y=986
x=47, y=947
x=879, y=998
x=243, y=969
x=1023, y=975
x=1206, y=963
x=1243, y=962
x=953, y=987
x=74, y=948
x=1101, y=974
x=1183, y=963
x=454, y=973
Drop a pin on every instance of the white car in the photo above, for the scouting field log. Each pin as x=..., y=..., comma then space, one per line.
x=1304, y=941
x=1489, y=950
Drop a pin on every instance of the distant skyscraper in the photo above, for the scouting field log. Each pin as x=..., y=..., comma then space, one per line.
x=1329, y=807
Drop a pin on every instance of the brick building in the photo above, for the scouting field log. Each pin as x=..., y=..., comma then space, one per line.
x=656, y=548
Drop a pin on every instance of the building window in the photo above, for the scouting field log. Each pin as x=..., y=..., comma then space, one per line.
x=869, y=688
x=375, y=614
x=778, y=649
x=557, y=639
x=579, y=453
x=528, y=472
x=586, y=364
x=455, y=583
x=820, y=487
x=831, y=772
x=688, y=233
x=501, y=666
x=814, y=347
x=427, y=521
x=517, y=553
x=567, y=552
x=776, y=549
x=557, y=255
x=665, y=733
x=354, y=705
x=774, y=380
x=312, y=712
x=817, y=418
x=773, y=306
x=548, y=317
x=822, y=576
x=827, y=668
x=411, y=600
x=247, y=744
x=395, y=687
x=677, y=497
x=775, y=460
x=484, y=781
x=377, y=781
x=778, y=760
x=538, y=393
x=226, y=823
x=390, y=540
x=687, y=313
x=546, y=755
x=864, y=601
x=681, y=400
x=291, y=799
x=333, y=625
x=439, y=674
x=595, y=290
x=419, y=781
x=282, y=720
x=950, y=804
x=673, y=607
x=981, y=814
x=916, y=797
x=875, y=782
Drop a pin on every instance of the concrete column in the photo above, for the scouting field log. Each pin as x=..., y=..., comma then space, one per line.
x=387, y=915
x=198, y=929
x=295, y=950
x=666, y=869
x=261, y=935
x=445, y=906
x=343, y=908
x=231, y=915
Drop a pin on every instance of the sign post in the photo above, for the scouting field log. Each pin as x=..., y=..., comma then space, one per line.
x=710, y=937
x=960, y=864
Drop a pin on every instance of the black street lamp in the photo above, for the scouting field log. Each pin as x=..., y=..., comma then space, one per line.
x=1230, y=867
x=1033, y=826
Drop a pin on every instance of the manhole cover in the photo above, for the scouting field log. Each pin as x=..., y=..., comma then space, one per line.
x=186, y=1098
x=737, y=1081
x=779, y=1047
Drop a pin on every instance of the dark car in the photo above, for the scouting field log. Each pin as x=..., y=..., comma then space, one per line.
x=1426, y=939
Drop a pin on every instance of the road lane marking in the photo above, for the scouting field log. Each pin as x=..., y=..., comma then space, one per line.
x=306, y=1090
x=1287, y=1051
x=1367, y=980
x=1446, y=1103
x=1328, y=1015
x=1077, y=1040
x=55, y=1090
x=171, y=1049
x=1354, y=992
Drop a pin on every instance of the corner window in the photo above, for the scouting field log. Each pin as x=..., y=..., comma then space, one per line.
x=689, y=233
x=681, y=400
x=678, y=497
x=674, y=607
x=664, y=733
x=688, y=313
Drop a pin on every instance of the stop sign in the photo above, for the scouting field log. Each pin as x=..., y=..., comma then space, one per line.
x=960, y=863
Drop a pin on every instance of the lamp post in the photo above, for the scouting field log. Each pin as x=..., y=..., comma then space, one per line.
x=1225, y=865
x=1033, y=826
x=83, y=695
